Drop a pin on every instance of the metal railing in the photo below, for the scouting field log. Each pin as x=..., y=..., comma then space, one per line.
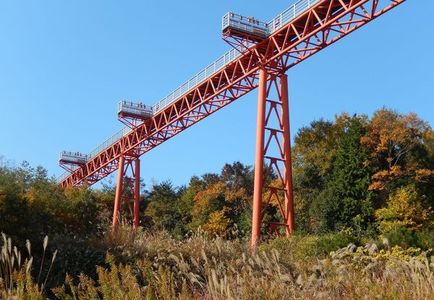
x=245, y=24
x=283, y=18
x=193, y=82
x=290, y=13
x=73, y=157
x=109, y=142
x=133, y=108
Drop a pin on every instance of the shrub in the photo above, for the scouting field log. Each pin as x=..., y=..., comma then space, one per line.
x=401, y=236
x=407, y=238
x=332, y=241
x=304, y=247
x=425, y=239
x=404, y=210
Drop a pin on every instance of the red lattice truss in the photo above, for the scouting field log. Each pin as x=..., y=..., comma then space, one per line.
x=320, y=26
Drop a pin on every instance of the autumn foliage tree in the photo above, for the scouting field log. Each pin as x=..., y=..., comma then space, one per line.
x=399, y=146
x=221, y=207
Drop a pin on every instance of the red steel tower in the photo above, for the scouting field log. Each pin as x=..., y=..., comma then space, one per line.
x=262, y=54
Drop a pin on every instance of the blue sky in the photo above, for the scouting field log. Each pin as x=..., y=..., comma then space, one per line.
x=64, y=65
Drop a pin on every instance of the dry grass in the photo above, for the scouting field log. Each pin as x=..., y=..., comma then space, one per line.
x=155, y=266
x=143, y=265
x=16, y=281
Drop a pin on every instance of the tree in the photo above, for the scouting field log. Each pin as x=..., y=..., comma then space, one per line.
x=206, y=202
x=345, y=200
x=312, y=153
x=314, y=146
x=238, y=176
x=398, y=145
x=162, y=207
x=223, y=202
x=404, y=209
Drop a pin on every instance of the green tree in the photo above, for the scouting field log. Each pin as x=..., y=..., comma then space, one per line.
x=346, y=201
x=313, y=150
x=162, y=206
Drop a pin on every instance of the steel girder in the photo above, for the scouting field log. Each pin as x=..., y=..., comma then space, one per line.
x=322, y=25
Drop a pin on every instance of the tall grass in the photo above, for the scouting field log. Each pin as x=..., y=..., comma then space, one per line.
x=16, y=281
x=154, y=266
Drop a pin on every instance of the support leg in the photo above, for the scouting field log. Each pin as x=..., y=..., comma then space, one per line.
x=259, y=160
x=118, y=194
x=136, y=192
x=289, y=197
x=273, y=148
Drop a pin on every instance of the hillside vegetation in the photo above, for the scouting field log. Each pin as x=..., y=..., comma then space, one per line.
x=364, y=195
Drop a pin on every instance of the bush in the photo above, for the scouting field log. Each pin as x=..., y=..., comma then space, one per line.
x=425, y=239
x=402, y=237
x=303, y=247
x=407, y=238
x=404, y=210
x=331, y=242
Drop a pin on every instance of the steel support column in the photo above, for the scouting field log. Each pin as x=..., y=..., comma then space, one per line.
x=136, y=192
x=273, y=151
x=118, y=194
x=259, y=159
x=289, y=195
x=127, y=189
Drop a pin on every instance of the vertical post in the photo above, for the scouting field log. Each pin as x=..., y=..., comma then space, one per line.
x=118, y=194
x=259, y=159
x=289, y=196
x=136, y=192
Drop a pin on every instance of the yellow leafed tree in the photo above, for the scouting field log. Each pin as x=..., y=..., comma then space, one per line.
x=403, y=210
